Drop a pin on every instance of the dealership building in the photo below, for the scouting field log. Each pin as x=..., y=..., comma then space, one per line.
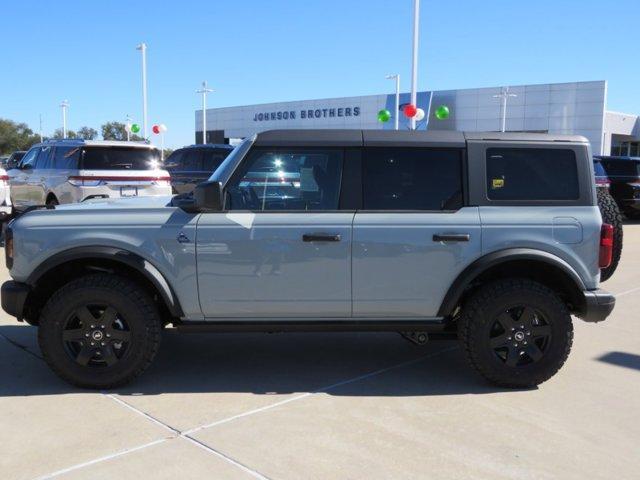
x=562, y=108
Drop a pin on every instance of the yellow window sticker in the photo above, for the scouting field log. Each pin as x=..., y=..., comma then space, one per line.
x=497, y=183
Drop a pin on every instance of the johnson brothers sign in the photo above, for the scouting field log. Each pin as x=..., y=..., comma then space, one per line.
x=307, y=114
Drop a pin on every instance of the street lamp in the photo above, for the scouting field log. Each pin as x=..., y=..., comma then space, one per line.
x=414, y=63
x=396, y=115
x=504, y=95
x=127, y=127
x=143, y=48
x=64, y=105
x=204, y=90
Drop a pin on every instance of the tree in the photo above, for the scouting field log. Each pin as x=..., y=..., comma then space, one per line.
x=15, y=136
x=58, y=134
x=87, y=133
x=117, y=131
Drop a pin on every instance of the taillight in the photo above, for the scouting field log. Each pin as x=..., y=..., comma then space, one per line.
x=4, y=180
x=94, y=181
x=602, y=183
x=606, y=245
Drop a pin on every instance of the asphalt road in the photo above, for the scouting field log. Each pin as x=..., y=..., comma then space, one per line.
x=331, y=406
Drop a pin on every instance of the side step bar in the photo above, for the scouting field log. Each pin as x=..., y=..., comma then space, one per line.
x=431, y=325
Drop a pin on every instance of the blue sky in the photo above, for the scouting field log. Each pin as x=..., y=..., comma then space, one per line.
x=256, y=51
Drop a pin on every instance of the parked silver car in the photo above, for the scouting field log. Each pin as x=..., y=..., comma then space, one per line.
x=69, y=171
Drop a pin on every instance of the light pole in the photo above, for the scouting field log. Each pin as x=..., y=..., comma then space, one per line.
x=143, y=48
x=128, y=127
x=504, y=95
x=41, y=128
x=414, y=63
x=64, y=105
x=396, y=115
x=204, y=90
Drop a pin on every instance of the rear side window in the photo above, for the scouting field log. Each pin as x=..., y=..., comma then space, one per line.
x=412, y=179
x=66, y=158
x=119, y=158
x=532, y=174
x=213, y=158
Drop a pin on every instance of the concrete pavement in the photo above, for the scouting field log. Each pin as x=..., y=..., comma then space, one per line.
x=318, y=406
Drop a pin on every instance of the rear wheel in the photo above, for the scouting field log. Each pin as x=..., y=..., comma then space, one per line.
x=52, y=201
x=516, y=332
x=99, y=331
x=611, y=215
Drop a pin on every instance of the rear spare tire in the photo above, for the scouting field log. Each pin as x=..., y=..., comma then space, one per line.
x=611, y=215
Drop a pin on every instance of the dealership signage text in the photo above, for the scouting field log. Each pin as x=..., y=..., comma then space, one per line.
x=310, y=113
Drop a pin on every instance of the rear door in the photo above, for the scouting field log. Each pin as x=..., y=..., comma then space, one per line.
x=19, y=179
x=282, y=248
x=414, y=235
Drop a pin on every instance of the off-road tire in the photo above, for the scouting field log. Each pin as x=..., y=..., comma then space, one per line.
x=611, y=215
x=479, y=313
x=125, y=297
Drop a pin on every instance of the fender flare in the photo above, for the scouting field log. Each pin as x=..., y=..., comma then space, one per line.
x=493, y=259
x=142, y=265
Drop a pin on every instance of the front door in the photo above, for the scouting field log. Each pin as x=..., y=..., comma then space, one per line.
x=21, y=178
x=414, y=235
x=282, y=248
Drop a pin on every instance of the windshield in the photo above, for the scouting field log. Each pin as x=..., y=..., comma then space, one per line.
x=225, y=170
x=120, y=158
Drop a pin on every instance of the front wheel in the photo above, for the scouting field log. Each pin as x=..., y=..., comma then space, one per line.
x=99, y=331
x=516, y=333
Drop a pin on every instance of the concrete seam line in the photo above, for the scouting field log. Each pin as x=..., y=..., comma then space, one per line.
x=221, y=455
x=192, y=440
x=320, y=390
x=144, y=414
x=102, y=459
x=626, y=292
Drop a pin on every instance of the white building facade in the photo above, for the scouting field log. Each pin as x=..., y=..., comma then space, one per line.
x=563, y=108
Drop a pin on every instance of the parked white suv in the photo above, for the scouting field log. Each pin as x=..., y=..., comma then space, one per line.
x=69, y=171
x=5, y=197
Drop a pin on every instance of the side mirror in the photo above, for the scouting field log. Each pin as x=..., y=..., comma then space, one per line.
x=208, y=197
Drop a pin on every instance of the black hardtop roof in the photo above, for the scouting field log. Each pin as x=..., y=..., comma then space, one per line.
x=408, y=138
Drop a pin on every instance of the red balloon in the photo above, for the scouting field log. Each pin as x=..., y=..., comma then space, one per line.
x=156, y=129
x=410, y=110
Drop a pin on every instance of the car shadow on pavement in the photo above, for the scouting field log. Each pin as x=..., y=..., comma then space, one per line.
x=622, y=359
x=266, y=364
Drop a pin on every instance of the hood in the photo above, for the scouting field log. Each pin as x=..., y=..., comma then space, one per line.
x=156, y=201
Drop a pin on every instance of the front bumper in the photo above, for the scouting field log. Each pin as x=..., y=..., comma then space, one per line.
x=598, y=304
x=13, y=296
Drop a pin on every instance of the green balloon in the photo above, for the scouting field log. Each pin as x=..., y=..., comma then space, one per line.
x=135, y=128
x=442, y=112
x=384, y=116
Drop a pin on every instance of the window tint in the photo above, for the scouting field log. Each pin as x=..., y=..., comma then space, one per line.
x=30, y=157
x=412, y=179
x=44, y=157
x=191, y=161
x=287, y=179
x=213, y=158
x=624, y=168
x=531, y=174
x=174, y=161
x=120, y=158
x=66, y=158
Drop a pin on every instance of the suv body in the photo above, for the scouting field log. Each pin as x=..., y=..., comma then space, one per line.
x=414, y=232
x=70, y=171
x=192, y=165
x=624, y=179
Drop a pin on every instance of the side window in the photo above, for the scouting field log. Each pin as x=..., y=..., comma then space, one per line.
x=287, y=179
x=191, y=161
x=532, y=174
x=412, y=179
x=44, y=157
x=30, y=158
x=212, y=159
x=174, y=162
x=66, y=158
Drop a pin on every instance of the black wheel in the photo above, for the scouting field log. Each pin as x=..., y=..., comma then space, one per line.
x=52, y=201
x=515, y=333
x=611, y=215
x=99, y=331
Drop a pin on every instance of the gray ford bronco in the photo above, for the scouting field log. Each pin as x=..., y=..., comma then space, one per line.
x=495, y=239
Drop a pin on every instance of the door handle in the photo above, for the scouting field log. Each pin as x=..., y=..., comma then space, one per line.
x=451, y=237
x=320, y=237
